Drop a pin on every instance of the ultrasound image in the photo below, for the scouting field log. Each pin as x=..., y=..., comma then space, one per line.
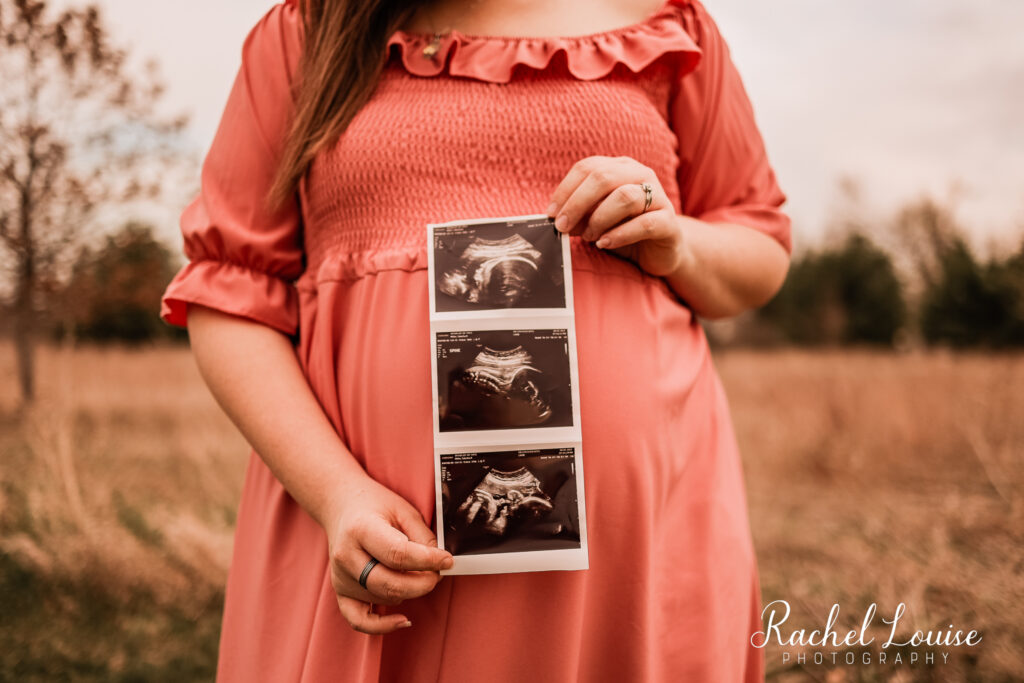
x=510, y=501
x=498, y=265
x=503, y=379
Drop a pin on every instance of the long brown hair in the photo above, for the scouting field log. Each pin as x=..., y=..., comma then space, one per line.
x=342, y=59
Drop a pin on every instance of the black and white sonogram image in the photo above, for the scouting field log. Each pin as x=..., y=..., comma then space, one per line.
x=510, y=501
x=503, y=379
x=498, y=265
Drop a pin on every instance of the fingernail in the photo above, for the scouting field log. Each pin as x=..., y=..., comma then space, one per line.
x=447, y=563
x=405, y=624
x=551, y=208
x=561, y=222
x=602, y=243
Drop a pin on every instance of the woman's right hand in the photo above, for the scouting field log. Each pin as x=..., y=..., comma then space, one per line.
x=267, y=395
x=372, y=520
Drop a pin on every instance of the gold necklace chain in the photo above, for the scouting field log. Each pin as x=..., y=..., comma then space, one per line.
x=431, y=50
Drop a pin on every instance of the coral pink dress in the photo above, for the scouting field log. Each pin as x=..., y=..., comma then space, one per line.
x=488, y=128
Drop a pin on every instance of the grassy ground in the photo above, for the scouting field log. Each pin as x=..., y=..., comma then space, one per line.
x=117, y=501
x=872, y=478
x=881, y=478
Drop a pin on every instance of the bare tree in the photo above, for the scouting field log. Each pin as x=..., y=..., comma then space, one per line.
x=79, y=131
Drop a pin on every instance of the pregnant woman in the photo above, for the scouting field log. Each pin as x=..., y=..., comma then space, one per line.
x=350, y=126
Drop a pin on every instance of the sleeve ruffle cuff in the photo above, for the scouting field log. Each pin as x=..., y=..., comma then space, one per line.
x=232, y=289
x=768, y=219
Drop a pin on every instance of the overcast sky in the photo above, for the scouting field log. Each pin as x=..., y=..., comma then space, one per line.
x=907, y=96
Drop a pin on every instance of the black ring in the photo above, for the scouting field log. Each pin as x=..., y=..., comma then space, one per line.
x=366, y=571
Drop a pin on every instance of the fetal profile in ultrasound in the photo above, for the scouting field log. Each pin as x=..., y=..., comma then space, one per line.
x=510, y=501
x=503, y=379
x=498, y=265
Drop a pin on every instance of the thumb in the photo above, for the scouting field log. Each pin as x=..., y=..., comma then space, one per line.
x=412, y=525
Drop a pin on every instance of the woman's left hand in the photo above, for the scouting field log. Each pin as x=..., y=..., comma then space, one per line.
x=602, y=199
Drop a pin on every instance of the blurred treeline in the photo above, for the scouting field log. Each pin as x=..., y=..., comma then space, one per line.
x=113, y=292
x=911, y=281
x=932, y=289
x=851, y=294
x=928, y=288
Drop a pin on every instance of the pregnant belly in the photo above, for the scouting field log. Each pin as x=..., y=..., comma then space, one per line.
x=640, y=351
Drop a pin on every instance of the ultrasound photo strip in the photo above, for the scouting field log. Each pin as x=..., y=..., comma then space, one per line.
x=506, y=411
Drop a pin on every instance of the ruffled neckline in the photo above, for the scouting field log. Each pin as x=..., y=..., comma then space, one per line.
x=588, y=57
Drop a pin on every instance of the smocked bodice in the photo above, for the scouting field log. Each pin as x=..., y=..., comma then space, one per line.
x=488, y=127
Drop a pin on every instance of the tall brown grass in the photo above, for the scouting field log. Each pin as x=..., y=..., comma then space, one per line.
x=117, y=500
x=887, y=478
x=126, y=468
x=872, y=477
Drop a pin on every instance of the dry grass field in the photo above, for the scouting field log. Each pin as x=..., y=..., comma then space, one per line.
x=886, y=478
x=872, y=478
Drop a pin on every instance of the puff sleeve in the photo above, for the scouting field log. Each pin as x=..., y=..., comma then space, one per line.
x=724, y=173
x=243, y=257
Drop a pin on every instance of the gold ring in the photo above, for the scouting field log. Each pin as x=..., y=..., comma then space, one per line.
x=648, y=195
